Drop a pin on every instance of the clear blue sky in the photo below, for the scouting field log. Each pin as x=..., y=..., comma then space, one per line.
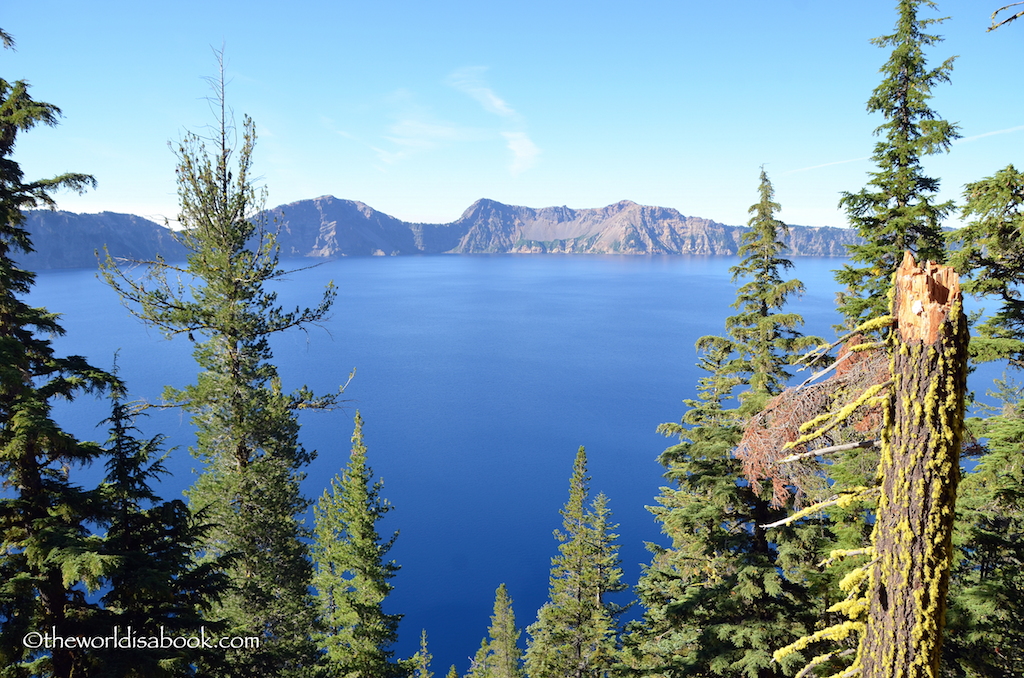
x=420, y=108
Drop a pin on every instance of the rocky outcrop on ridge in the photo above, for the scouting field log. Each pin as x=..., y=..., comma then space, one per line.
x=329, y=227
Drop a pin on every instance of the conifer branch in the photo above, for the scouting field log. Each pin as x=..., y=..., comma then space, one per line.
x=839, y=631
x=856, y=348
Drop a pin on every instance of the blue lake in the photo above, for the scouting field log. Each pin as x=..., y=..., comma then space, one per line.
x=478, y=377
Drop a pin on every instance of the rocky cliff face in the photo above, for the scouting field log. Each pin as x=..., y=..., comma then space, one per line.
x=623, y=228
x=327, y=227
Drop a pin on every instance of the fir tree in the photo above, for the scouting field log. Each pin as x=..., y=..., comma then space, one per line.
x=421, y=661
x=764, y=338
x=990, y=254
x=154, y=582
x=352, y=577
x=985, y=632
x=48, y=557
x=246, y=426
x=499, y=655
x=724, y=593
x=897, y=211
x=575, y=635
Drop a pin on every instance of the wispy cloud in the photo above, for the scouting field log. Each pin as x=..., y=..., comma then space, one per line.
x=470, y=81
x=975, y=137
x=411, y=136
x=827, y=164
x=413, y=130
x=524, y=151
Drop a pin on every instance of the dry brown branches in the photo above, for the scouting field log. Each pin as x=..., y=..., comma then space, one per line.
x=811, y=417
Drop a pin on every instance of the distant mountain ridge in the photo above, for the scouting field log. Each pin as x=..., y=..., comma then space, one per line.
x=327, y=227
x=70, y=240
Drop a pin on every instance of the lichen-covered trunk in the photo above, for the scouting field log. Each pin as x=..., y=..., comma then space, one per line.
x=919, y=470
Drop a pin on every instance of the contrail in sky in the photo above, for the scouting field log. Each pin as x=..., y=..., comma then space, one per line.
x=964, y=140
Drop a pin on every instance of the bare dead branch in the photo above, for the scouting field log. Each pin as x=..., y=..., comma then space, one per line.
x=820, y=506
x=844, y=499
x=822, y=451
x=1007, y=20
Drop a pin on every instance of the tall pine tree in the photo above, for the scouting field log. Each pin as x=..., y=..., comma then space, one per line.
x=723, y=593
x=48, y=558
x=764, y=338
x=246, y=426
x=576, y=632
x=897, y=211
x=352, y=578
x=499, y=655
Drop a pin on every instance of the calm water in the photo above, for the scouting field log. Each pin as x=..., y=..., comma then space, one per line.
x=478, y=377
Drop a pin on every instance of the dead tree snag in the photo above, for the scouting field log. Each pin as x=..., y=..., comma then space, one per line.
x=922, y=435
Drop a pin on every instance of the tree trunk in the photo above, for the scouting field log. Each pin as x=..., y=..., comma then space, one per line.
x=919, y=470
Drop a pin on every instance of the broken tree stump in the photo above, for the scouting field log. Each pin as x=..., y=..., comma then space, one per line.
x=919, y=470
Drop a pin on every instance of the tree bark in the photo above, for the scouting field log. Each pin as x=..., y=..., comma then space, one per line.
x=919, y=471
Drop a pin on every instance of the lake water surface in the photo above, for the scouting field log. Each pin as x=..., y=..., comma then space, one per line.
x=478, y=377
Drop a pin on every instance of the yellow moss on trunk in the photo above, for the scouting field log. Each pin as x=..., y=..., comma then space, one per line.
x=918, y=473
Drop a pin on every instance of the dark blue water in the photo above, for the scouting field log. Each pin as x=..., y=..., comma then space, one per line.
x=478, y=377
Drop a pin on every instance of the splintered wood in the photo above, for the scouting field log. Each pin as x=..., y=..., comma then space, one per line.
x=926, y=295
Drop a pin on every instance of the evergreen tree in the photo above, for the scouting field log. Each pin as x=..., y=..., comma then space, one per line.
x=985, y=627
x=246, y=426
x=724, y=593
x=986, y=630
x=48, y=558
x=990, y=254
x=421, y=662
x=897, y=211
x=575, y=635
x=499, y=655
x=153, y=582
x=764, y=339
x=352, y=577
